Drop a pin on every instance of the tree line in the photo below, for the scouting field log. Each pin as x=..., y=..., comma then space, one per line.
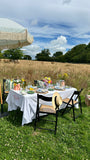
x=78, y=54
x=14, y=54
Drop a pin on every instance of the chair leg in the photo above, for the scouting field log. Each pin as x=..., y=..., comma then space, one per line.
x=35, y=122
x=35, y=125
x=73, y=113
x=56, y=122
x=38, y=116
x=63, y=111
x=1, y=108
x=80, y=106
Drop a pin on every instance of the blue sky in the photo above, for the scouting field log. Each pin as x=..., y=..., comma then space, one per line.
x=57, y=25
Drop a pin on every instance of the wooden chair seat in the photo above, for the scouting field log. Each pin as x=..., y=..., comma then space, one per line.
x=6, y=92
x=48, y=109
x=66, y=100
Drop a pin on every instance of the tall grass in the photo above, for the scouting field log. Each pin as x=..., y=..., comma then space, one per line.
x=78, y=74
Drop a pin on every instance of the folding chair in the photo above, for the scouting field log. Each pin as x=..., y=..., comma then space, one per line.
x=1, y=99
x=56, y=102
x=70, y=103
x=5, y=93
x=2, y=114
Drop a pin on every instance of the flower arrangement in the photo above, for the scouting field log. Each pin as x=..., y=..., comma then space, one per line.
x=47, y=80
x=19, y=82
x=16, y=84
x=16, y=81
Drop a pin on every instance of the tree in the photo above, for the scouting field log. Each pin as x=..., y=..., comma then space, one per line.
x=57, y=56
x=43, y=56
x=14, y=54
x=1, y=55
x=77, y=54
x=28, y=57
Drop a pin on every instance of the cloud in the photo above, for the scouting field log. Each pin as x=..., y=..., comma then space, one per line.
x=66, y=1
x=31, y=50
x=57, y=45
x=34, y=22
x=60, y=40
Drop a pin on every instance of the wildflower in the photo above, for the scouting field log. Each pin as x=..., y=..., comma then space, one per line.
x=65, y=76
x=23, y=80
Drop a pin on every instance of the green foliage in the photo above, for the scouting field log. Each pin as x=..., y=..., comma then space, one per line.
x=13, y=54
x=1, y=55
x=43, y=56
x=78, y=54
x=57, y=54
x=28, y=57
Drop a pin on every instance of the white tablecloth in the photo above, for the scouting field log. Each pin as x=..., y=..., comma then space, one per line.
x=28, y=103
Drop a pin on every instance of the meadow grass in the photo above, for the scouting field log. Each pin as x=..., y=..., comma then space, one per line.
x=72, y=140
x=78, y=74
x=23, y=143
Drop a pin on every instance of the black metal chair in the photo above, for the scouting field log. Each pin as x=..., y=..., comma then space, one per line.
x=1, y=99
x=47, y=109
x=70, y=103
x=5, y=93
x=2, y=113
x=5, y=89
x=4, y=96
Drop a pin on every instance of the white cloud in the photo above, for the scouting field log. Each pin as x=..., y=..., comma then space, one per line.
x=60, y=40
x=57, y=45
x=34, y=22
x=31, y=50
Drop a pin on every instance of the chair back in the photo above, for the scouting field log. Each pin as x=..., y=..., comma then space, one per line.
x=44, y=98
x=1, y=95
x=75, y=95
x=48, y=99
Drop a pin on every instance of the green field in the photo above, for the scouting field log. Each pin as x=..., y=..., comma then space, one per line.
x=72, y=141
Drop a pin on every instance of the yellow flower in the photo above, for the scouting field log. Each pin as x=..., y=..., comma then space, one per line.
x=15, y=84
x=65, y=75
x=31, y=89
x=49, y=78
x=23, y=80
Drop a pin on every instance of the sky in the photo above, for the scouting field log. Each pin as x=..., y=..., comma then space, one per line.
x=57, y=25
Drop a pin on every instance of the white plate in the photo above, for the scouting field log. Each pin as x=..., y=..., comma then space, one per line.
x=57, y=87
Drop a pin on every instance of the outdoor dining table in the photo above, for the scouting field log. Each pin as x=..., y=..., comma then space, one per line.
x=28, y=102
